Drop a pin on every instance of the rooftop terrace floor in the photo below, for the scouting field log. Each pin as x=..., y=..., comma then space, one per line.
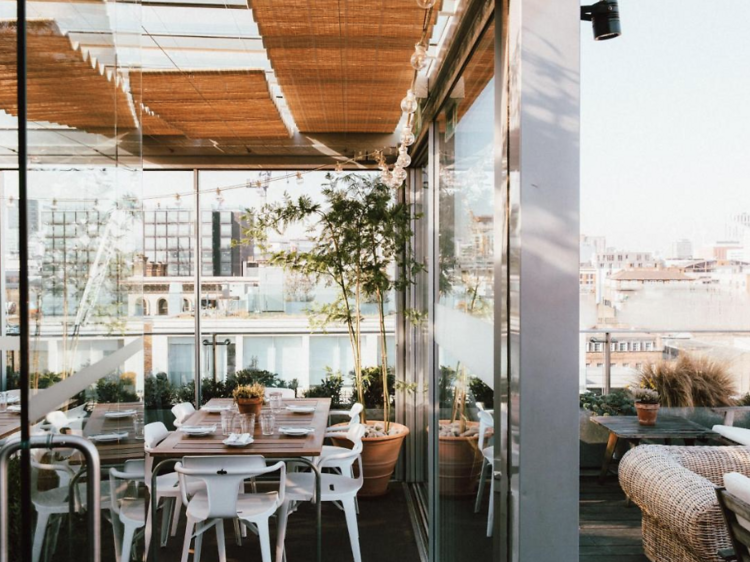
x=610, y=531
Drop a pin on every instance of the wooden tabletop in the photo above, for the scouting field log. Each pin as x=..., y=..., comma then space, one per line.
x=118, y=451
x=667, y=427
x=178, y=444
x=9, y=423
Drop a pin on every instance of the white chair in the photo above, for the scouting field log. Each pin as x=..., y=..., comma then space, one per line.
x=354, y=417
x=486, y=422
x=167, y=485
x=182, y=412
x=222, y=477
x=286, y=393
x=76, y=416
x=129, y=510
x=300, y=486
x=53, y=504
x=58, y=420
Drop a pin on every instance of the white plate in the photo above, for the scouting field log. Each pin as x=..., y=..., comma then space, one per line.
x=215, y=409
x=107, y=437
x=296, y=431
x=301, y=409
x=14, y=409
x=198, y=429
x=114, y=414
x=238, y=443
x=12, y=399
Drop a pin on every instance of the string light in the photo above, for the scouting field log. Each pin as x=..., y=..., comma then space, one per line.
x=300, y=179
x=339, y=167
x=177, y=200
x=409, y=105
x=11, y=201
x=219, y=198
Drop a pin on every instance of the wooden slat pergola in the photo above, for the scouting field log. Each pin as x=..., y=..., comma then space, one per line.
x=64, y=85
x=343, y=66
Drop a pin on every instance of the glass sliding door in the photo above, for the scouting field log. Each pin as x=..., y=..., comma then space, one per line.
x=464, y=323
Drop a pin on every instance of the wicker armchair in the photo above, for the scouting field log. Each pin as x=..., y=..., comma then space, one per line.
x=675, y=489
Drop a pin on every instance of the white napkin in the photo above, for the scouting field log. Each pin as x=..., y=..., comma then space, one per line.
x=232, y=438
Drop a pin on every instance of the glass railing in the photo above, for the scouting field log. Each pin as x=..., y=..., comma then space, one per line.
x=611, y=359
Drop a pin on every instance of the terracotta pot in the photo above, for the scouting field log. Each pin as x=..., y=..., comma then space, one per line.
x=460, y=462
x=647, y=413
x=379, y=457
x=250, y=406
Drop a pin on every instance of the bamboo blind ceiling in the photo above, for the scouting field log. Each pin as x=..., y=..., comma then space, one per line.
x=64, y=85
x=210, y=104
x=343, y=65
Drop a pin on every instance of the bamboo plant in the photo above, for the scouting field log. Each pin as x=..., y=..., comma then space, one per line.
x=361, y=245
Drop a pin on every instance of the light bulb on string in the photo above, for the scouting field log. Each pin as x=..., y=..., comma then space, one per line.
x=177, y=200
x=399, y=175
x=409, y=104
x=403, y=149
x=11, y=201
x=339, y=167
x=219, y=198
x=426, y=4
x=386, y=177
x=407, y=136
x=403, y=160
x=300, y=179
x=419, y=58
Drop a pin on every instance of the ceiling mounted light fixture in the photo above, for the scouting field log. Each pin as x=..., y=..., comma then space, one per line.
x=605, y=18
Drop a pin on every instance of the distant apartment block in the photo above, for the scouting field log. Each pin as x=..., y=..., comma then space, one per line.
x=682, y=249
x=611, y=261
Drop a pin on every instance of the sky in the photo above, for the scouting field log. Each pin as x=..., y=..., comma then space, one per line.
x=665, y=123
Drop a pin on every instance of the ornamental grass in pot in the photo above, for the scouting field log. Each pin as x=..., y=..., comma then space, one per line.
x=358, y=233
x=249, y=398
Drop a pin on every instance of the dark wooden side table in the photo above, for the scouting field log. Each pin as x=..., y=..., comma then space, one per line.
x=666, y=428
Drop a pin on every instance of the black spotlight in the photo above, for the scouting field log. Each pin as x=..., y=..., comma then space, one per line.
x=605, y=16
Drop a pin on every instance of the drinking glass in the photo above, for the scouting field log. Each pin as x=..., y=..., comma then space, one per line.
x=226, y=421
x=277, y=404
x=267, y=423
x=138, y=427
x=247, y=423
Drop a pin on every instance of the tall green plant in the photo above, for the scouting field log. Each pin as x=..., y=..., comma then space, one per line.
x=358, y=234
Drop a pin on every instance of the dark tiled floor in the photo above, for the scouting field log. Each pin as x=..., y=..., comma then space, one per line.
x=610, y=530
x=385, y=531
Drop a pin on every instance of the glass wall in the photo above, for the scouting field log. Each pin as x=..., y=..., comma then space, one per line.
x=76, y=262
x=463, y=277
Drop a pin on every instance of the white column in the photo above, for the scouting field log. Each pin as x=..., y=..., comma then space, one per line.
x=540, y=277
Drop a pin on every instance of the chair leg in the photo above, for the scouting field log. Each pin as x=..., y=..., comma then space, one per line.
x=491, y=513
x=351, y=522
x=189, y=529
x=480, y=491
x=41, y=529
x=127, y=542
x=53, y=533
x=176, y=516
x=220, y=541
x=265, y=540
x=117, y=533
x=282, y=516
x=197, y=547
x=237, y=532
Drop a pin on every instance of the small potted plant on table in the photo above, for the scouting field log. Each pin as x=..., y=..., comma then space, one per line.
x=249, y=398
x=646, y=405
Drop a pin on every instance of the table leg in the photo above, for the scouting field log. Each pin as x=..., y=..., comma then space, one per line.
x=608, y=455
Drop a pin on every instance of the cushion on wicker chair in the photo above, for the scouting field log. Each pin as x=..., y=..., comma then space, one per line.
x=739, y=485
x=737, y=434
